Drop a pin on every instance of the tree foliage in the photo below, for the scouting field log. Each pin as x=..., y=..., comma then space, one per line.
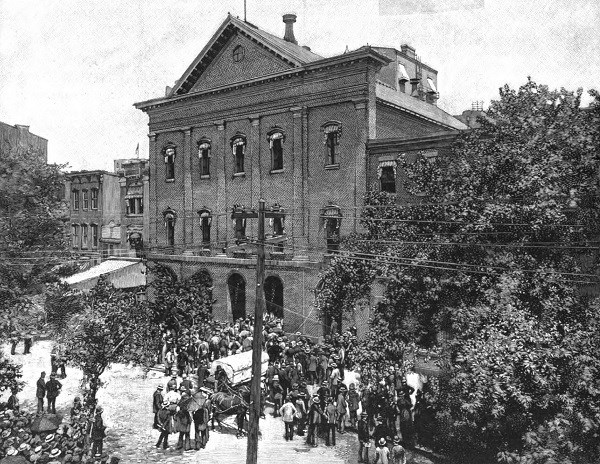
x=10, y=374
x=32, y=241
x=492, y=260
x=180, y=303
x=112, y=328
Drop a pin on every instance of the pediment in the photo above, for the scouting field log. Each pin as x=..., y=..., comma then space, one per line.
x=221, y=62
x=240, y=59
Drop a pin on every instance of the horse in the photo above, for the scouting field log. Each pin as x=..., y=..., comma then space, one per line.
x=226, y=403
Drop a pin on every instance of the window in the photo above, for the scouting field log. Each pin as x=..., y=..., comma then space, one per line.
x=169, y=153
x=75, y=200
x=402, y=74
x=238, y=53
x=204, y=155
x=274, y=296
x=238, y=145
x=387, y=176
x=332, y=222
x=432, y=87
x=134, y=205
x=86, y=200
x=75, y=235
x=84, y=236
x=94, y=232
x=240, y=230
x=276, y=139
x=332, y=131
x=205, y=222
x=170, y=227
x=237, y=296
x=94, y=198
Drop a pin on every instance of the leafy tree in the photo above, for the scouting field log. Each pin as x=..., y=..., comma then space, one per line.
x=10, y=374
x=32, y=242
x=112, y=328
x=488, y=262
x=61, y=303
x=180, y=303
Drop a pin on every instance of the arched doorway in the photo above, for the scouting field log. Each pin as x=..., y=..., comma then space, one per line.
x=274, y=296
x=237, y=296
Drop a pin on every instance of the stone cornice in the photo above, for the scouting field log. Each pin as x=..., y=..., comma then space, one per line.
x=441, y=139
x=362, y=54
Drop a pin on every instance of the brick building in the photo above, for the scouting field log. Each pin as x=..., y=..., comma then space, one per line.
x=134, y=184
x=95, y=212
x=18, y=138
x=259, y=116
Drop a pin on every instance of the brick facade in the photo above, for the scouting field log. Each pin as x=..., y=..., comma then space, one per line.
x=277, y=87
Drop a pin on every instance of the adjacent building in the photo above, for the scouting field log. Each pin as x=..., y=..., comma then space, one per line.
x=256, y=116
x=19, y=138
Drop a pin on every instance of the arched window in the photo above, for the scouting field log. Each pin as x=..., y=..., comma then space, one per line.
x=204, y=146
x=170, y=217
x=276, y=137
x=169, y=154
x=274, y=296
x=237, y=296
x=332, y=221
x=332, y=131
x=239, y=223
x=205, y=223
x=238, y=147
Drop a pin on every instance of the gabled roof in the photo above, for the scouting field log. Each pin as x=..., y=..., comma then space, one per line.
x=293, y=54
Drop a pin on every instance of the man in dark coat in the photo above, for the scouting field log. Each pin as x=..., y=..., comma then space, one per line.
x=364, y=442
x=97, y=432
x=315, y=417
x=41, y=392
x=53, y=387
x=200, y=417
x=157, y=401
x=164, y=425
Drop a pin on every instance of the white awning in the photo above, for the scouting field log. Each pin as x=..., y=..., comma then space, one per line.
x=402, y=74
x=431, y=85
x=121, y=273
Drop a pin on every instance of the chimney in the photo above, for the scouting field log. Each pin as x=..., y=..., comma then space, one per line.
x=407, y=50
x=289, y=20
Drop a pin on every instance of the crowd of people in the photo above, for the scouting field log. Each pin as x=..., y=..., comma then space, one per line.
x=43, y=438
x=307, y=384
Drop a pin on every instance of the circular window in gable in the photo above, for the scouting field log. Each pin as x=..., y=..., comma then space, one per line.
x=238, y=53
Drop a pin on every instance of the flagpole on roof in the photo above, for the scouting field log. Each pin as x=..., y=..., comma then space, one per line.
x=244, y=10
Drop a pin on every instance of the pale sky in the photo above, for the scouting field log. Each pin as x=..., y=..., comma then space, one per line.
x=72, y=69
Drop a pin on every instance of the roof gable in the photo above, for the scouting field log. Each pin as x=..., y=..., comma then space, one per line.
x=284, y=55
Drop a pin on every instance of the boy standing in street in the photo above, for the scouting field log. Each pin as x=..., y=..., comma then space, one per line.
x=287, y=411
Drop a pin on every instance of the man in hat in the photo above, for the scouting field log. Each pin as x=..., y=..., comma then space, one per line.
x=334, y=379
x=157, y=401
x=315, y=416
x=331, y=413
x=382, y=452
x=200, y=417
x=288, y=411
x=164, y=425
x=203, y=372
x=169, y=361
x=397, y=453
x=53, y=388
x=183, y=423
x=353, y=404
x=323, y=392
x=341, y=406
x=364, y=442
x=300, y=418
x=41, y=392
x=98, y=431
x=13, y=400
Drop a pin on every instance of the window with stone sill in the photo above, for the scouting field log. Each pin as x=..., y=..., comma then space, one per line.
x=84, y=236
x=94, y=197
x=332, y=222
x=238, y=147
x=170, y=227
x=94, y=233
x=75, y=200
x=386, y=171
x=205, y=223
x=75, y=235
x=134, y=206
x=204, y=147
x=332, y=132
x=86, y=200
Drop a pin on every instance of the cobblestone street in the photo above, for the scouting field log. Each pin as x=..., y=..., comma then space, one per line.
x=127, y=401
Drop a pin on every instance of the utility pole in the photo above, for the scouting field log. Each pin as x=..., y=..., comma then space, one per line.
x=257, y=342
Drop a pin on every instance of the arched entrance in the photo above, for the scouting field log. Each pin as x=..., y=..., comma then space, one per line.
x=237, y=296
x=274, y=296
